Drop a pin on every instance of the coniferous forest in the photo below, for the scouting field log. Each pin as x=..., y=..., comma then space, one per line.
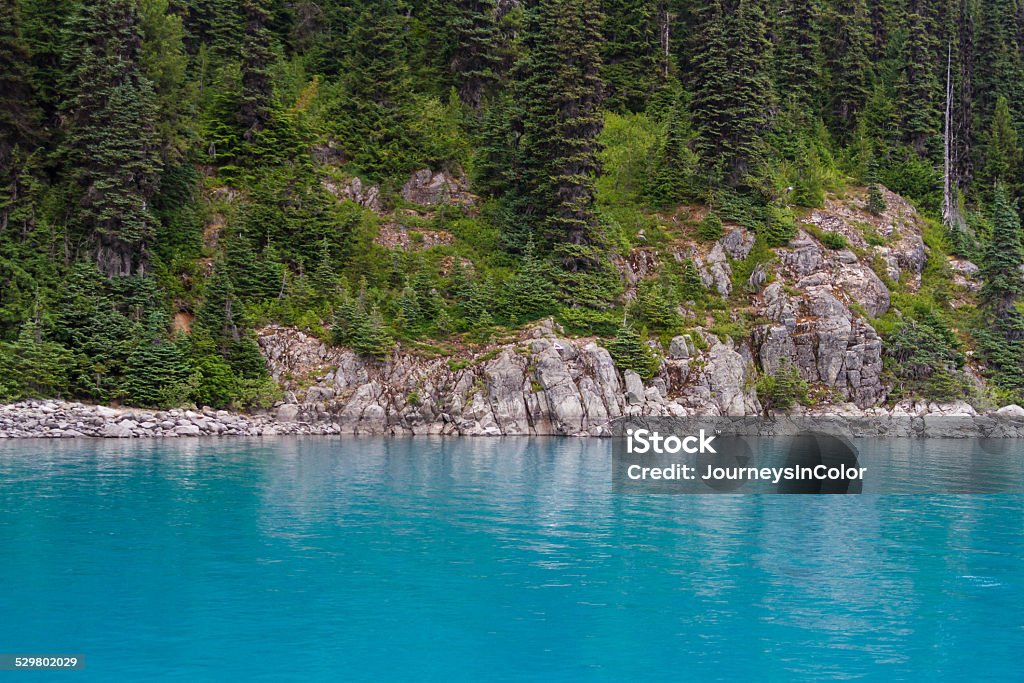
x=176, y=174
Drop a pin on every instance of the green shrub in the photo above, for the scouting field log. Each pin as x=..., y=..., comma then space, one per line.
x=655, y=306
x=834, y=240
x=876, y=202
x=589, y=321
x=260, y=392
x=780, y=226
x=783, y=389
x=627, y=144
x=710, y=228
x=871, y=235
x=922, y=358
x=691, y=287
x=726, y=326
x=629, y=351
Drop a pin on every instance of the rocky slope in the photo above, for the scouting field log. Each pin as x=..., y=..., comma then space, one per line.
x=804, y=304
x=810, y=305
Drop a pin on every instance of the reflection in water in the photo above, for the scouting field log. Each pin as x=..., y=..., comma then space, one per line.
x=490, y=559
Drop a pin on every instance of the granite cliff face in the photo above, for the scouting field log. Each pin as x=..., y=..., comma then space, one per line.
x=543, y=384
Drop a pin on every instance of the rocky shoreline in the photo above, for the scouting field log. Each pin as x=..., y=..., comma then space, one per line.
x=67, y=420
x=53, y=419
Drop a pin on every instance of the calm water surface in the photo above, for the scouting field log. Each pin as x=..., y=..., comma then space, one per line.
x=473, y=560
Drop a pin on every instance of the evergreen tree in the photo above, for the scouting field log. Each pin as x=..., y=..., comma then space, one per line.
x=847, y=63
x=999, y=68
x=921, y=348
x=497, y=168
x=19, y=117
x=370, y=336
x=630, y=52
x=19, y=124
x=346, y=316
x=214, y=23
x=221, y=328
x=876, y=202
x=783, y=389
x=444, y=325
x=110, y=147
x=920, y=92
x=710, y=228
x=732, y=88
x=165, y=64
x=1002, y=151
x=409, y=308
x=39, y=367
x=89, y=321
x=218, y=316
x=42, y=26
x=324, y=278
x=322, y=34
x=474, y=60
x=1002, y=345
x=692, y=287
x=375, y=113
x=560, y=93
x=257, y=57
x=808, y=186
x=157, y=375
x=528, y=294
x=654, y=306
x=797, y=51
x=474, y=298
x=672, y=179
x=630, y=351
x=1001, y=270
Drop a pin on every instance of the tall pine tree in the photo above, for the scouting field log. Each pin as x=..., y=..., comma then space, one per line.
x=920, y=93
x=797, y=51
x=1003, y=285
x=847, y=63
x=1002, y=151
x=374, y=121
x=560, y=92
x=42, y=24
x=111, y=149
x=732, y=85
x=474, y=61
x=630, y=52
x=1001, y=269
x=19, y=118
x=257, y=56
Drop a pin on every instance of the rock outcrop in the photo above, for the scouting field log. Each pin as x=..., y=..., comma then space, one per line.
x=430, y=188
x=541, y=384
x=353, y=189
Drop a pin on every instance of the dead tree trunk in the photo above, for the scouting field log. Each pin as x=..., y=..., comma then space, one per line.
x=950, y=193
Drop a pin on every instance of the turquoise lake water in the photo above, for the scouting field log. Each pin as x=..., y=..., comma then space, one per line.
x=483, y=560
